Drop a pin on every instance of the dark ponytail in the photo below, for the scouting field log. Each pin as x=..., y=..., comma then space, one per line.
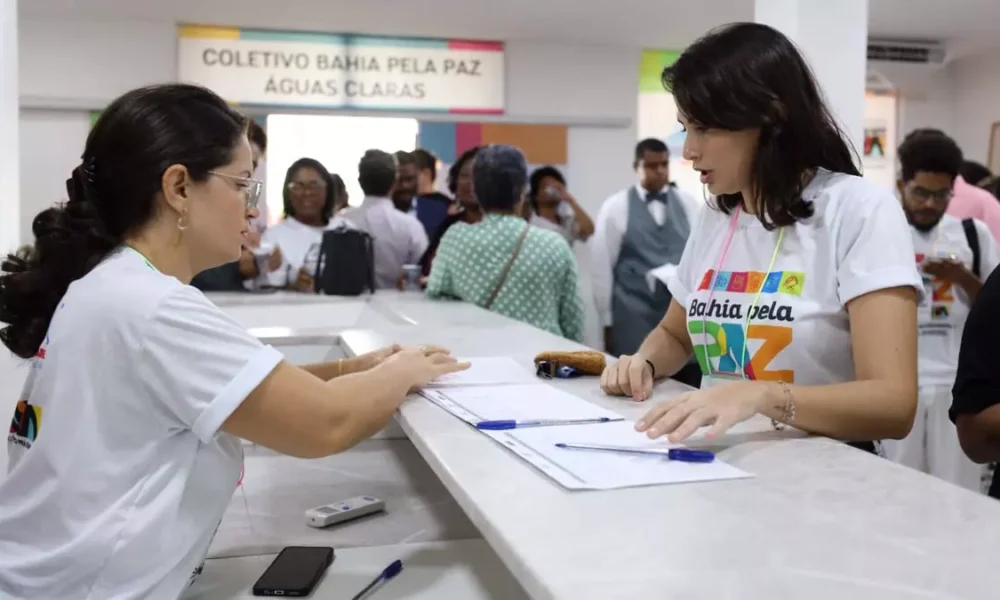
x=112, y=194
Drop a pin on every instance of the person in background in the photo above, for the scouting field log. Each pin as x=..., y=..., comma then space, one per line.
x=341, y=199
x=798, y=290
x=308, y=196
x=643, y=227
x=504, y=264
x=465, y=208
x=975, y=173
x=398, y=238
x=126, y=447
x=405, y=190
x=258, y=146
x=971, y=202
x=929, y=166
x=432, y=206
x=975, y=404
x=237, y=276
x=554, y=208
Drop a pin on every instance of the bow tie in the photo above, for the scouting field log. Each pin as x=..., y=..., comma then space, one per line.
x=660, y=197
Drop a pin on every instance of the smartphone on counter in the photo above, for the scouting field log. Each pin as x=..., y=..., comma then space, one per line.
x=295, y=572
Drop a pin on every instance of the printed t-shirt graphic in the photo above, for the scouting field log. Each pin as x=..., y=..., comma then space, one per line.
x=733, y=334
x=24, y=427
x=939, y=297
x=27, y=420
x=944, y=307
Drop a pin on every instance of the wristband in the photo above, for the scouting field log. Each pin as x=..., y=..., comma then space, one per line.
x=651, y=367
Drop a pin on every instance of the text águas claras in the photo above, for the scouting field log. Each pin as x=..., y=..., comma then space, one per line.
x=290, y=86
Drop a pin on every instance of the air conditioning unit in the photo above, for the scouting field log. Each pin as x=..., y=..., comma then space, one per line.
x=908, y=52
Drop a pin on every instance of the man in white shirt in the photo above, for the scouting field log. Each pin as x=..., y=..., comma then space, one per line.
x=955, y=257
x=398, y=238
x=640, y=228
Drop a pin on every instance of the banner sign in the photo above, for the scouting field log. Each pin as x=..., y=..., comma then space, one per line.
x=319, y=70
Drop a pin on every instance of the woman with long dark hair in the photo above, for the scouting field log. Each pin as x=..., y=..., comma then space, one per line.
x=125, y=446
x=797, y=288
x=310, y=197
x=465, y=209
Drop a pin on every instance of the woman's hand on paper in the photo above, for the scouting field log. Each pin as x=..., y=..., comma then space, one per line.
x=374, y=359
x=628, y=376
x=420, y=366
x=721, y=406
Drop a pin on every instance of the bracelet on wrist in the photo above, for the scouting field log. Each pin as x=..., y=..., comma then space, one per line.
x=652, y=369
x=786, y=408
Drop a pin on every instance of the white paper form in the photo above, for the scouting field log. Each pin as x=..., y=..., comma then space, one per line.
x=486, y=371
x=536, y=401
x=601, y=470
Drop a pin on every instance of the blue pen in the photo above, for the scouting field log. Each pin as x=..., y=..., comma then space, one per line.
x=513, y=424
x=386, y=574
x=678, y=454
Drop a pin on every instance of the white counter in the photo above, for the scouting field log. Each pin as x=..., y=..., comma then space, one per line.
x=820, y=520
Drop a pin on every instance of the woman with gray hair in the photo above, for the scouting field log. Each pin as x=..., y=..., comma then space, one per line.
x=504, y=264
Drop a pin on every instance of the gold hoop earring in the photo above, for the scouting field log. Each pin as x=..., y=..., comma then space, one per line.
x=181, y=226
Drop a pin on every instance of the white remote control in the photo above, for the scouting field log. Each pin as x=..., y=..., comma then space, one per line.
x=345, y=510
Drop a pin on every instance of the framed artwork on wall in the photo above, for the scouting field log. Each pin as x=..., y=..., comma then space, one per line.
x=993, y=156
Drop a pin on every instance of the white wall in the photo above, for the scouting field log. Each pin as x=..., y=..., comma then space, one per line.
x=51, y=144
x=977, y=102
x=962, y=99
x=93, y=61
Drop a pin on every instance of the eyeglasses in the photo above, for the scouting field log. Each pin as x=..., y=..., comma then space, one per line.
x=936, y=196
x=250, y=187
x=301, y=187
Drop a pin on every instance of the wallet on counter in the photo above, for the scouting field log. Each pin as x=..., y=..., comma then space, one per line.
x=556, y=364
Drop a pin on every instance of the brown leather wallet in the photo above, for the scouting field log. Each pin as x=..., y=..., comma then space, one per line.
x=588, y=362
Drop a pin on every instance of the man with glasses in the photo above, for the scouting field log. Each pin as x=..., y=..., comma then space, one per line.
x=955, y=256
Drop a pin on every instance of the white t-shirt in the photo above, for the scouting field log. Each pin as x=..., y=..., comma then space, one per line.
x=944, y=307
x=294, y=238
x=856, y=242
x=119, y=475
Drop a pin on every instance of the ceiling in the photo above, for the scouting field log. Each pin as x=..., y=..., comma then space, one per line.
x=969, y=29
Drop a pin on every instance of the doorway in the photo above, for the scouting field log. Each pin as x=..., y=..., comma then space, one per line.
x=336, y=141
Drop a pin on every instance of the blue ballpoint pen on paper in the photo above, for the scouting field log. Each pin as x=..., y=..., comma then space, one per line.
x=514, y=424
x=386, y=574
x=678, y=454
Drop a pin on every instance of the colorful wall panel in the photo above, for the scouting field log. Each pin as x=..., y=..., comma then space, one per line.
x=542, y=144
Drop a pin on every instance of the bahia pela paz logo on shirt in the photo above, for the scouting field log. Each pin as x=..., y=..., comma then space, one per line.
x=740, y=335
x=25, y=425
x=28, y=417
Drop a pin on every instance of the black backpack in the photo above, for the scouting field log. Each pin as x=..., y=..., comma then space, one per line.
x=972, y=236
x=346, y=265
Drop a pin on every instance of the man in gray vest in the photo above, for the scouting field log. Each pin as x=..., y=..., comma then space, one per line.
x=639, y=229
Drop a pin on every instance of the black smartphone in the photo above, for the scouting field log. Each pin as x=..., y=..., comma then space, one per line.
x=295, y=572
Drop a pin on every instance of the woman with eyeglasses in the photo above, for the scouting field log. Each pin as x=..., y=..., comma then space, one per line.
x=125, y=447
x=310, y=199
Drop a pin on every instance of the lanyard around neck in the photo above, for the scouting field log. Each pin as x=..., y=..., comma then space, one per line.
x=733, y=223
x=142, y=256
